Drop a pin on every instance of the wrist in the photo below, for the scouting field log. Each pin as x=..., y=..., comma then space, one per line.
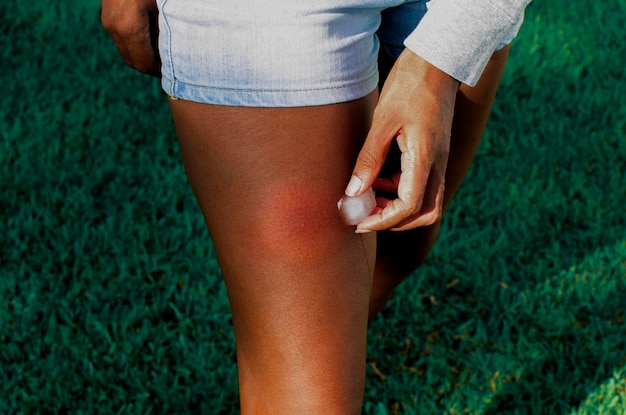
x=427, y=74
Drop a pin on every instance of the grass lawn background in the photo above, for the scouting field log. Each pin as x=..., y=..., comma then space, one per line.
x=111, y=300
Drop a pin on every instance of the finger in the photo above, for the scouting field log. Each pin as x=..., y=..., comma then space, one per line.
x=382, y=217
x=416, y=161
x=416, y=168
x=432, y=209
x=372, y=155
x=381, y=203
x=377, y=220
x=387, y=184
x=424, y=218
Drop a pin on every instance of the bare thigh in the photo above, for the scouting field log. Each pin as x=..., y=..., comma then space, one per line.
x=267, y=181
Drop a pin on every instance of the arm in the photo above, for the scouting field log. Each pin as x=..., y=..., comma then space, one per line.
x=417, y=104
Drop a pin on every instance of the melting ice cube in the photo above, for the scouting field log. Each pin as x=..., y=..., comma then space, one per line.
x=353, y=209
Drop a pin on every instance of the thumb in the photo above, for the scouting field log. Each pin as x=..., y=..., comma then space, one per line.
x=369, y=162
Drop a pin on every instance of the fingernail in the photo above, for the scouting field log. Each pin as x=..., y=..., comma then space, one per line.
x=354, y=186
x=363, y=231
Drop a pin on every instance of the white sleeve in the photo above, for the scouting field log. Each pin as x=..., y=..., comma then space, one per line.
x=459, y=36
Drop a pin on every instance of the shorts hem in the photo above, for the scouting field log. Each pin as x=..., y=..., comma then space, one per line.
x=242, y=97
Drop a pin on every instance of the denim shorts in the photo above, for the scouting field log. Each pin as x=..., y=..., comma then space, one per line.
x=277, y=53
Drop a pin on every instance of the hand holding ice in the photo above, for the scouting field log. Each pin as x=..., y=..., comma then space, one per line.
x=353, y=210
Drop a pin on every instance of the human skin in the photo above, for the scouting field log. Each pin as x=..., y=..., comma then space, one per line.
x=130, y=23
x=423, y=137
x=298, y=279
x=301, y=284
x=399, y=254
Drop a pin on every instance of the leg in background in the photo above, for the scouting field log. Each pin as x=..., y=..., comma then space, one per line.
x=400, y=253
x=267, y=181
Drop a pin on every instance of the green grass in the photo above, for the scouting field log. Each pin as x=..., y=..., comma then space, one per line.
x=112, y=301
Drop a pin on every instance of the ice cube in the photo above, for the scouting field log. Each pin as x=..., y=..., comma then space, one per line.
x=353, y=209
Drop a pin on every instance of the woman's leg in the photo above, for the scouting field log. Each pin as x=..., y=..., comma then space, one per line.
x=400, y=253
x=267, y=181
